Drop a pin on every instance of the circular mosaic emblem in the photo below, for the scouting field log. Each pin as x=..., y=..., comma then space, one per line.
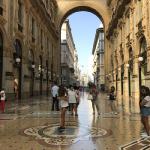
x=51, y=135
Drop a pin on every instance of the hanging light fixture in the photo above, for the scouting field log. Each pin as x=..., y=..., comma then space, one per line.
x=140, y=59
x=18, y=60
x=127, y=65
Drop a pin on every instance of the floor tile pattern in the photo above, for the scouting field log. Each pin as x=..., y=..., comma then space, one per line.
x=140, y=144
x=31, y=125
x=72, y=134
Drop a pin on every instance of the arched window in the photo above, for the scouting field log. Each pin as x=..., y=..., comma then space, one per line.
x=20, y=12
x=1, y=2
x=1, y=7
x=130, y=59
x=31, y=60
x=20, y=15
x=143, y=54
x=18, y=48
x=143, y=45
x=31, y=56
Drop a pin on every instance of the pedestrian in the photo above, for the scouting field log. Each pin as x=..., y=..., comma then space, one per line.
x=16, y=87
x=77, y=96
x=63, y=98
x=72, y=100
x=55, y=101
x=2, y=100
x=112, y=98
x=145, y=109
x=94, y=100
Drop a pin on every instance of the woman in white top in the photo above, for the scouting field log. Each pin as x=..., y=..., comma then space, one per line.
x=63, y=97
x=72, y=100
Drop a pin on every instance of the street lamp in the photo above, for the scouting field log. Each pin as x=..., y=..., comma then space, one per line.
x=127, y=65
x=33, y=66
x=140, y=59
x=119, y=69
x=18, y=60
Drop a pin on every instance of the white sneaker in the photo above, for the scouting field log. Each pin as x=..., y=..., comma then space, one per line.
x=115, y=113
x=144, y=135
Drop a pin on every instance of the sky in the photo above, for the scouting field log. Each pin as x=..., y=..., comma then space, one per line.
x=83, y=27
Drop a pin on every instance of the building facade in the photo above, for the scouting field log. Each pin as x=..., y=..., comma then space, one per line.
x=67, y=54
x=29, y=46
x=98, y=59
x=77, y=71
x=128, y=48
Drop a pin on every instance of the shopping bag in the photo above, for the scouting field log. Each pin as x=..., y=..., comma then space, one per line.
x=90, y=97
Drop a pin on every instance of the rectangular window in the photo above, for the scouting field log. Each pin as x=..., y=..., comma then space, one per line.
x=41, y=39
x=1, y=7
x=1, y=2
x=33, y=29
x=20, y=16
x=20, y=12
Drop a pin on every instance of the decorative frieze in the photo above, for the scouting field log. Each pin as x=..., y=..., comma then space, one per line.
x=118, y=13
x=129, y=41
x=141, y=29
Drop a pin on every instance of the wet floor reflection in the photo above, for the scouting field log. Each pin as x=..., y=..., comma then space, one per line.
x=86, y=132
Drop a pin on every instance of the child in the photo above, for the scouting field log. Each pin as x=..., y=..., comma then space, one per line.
x=3, y=98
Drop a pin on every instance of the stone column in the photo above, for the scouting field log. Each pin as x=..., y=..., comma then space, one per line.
x=135, y=90
x=118, y=90
x=126, y=90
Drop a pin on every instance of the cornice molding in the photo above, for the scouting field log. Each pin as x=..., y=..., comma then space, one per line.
x=118, y=13
x=2, y=20
x=141, y=29
x=41, y=11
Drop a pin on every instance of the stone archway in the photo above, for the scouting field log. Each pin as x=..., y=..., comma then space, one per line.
x=97, y=7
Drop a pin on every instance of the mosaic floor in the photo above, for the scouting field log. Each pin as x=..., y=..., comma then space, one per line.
x=32, y=126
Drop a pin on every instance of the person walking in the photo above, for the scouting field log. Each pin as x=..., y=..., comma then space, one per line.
x=77, y=96
x=55, y=101
x=112, y=98
x=72, y=100
x=2, y=100
x=63, y=98
x=145, y=109
x=94, y=100
x=16, y=87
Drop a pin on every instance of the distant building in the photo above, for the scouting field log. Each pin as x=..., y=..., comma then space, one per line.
x=98, y=59
x=69, y=57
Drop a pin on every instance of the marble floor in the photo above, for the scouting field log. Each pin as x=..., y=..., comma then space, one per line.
x=32, y=125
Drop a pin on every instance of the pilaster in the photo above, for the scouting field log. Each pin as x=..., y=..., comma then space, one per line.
x=135, y=90
x=126, y=91
x=118, y=90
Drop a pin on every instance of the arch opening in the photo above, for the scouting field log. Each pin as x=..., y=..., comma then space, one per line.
x=79, y=9
x=97, y=30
